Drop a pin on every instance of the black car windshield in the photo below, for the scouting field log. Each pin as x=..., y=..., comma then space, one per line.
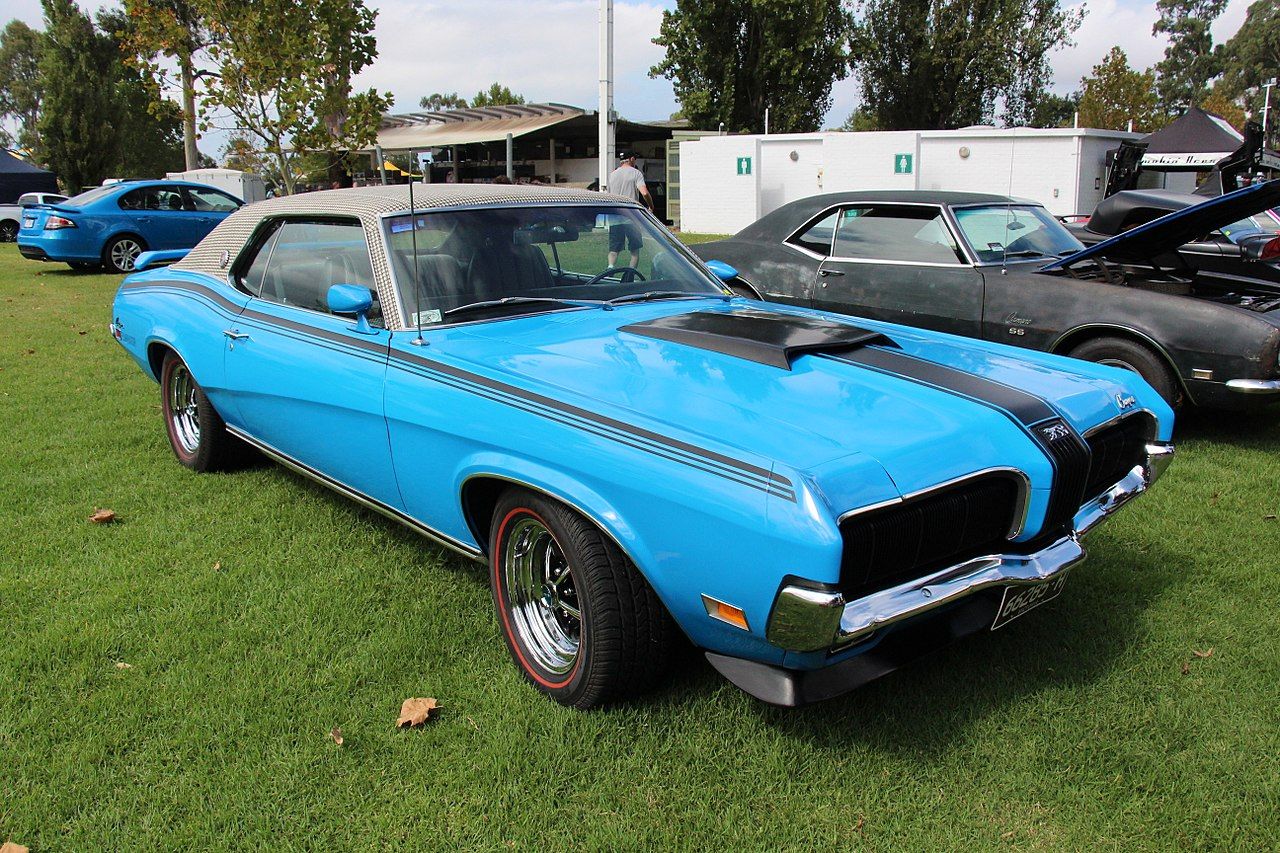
x=1014, y=232
x=499, y=261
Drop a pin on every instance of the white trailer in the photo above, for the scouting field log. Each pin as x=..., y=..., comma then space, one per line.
x=244, y=185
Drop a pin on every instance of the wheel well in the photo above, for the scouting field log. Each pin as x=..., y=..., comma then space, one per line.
x=479, y=497
x=1073, y=339
x=740, y=282
x=141, y=240
x=155, y=358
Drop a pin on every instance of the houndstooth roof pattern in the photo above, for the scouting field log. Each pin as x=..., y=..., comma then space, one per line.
x=369, y=205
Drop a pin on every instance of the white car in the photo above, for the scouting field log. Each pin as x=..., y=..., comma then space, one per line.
x=11, y=214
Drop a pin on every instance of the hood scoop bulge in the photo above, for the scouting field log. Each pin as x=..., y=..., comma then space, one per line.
x=765, y=337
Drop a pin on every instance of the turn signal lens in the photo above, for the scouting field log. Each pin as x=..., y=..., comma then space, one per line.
x=716, y=609
x=1271, y=250
x=53, y=223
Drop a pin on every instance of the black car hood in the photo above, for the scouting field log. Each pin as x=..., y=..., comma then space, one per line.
x=1167, y=233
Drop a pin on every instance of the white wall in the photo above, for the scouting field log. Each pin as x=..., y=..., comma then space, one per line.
x=1057, y=168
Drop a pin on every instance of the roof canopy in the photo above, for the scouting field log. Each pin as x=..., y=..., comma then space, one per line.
x=17, y=176
x=1194, y=142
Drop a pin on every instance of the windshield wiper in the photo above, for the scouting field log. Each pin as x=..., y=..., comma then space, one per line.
x=666, y=294
x=1026, y=253
x=522, y=300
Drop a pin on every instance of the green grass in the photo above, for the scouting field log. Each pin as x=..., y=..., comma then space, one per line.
x=1075, y=727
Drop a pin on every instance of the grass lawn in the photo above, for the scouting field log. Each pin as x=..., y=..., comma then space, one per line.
x=256, y=611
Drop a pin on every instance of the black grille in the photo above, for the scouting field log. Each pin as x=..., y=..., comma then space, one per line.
x=1116, y=450
x=1070, y=457
x=887, y=546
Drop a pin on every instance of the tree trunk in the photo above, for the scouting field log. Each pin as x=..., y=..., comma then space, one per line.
x=285, y=177
x=190, y=152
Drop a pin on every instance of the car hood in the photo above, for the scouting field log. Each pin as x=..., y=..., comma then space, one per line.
x=803, y=417
x=1167, y=233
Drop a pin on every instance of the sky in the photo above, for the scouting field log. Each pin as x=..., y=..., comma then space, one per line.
x=546, y=50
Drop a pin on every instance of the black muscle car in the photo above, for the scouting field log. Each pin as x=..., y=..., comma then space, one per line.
x=1228, y=253
x=991, y=267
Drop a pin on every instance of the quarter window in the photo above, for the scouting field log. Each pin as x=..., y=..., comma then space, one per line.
x=300, y=260
x=817, y=237
x=895, y=233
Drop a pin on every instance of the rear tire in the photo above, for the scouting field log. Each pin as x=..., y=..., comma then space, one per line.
x=580, y=621
x=1142, y=360
x=196, y=431
x=121, y=253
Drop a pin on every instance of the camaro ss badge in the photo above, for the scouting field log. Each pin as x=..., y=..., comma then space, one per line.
x=224, y=259
x=1125, y=401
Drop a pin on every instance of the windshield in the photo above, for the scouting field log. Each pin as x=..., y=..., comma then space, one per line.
x=1004, y=232
x=90, y=196
x=535, y=257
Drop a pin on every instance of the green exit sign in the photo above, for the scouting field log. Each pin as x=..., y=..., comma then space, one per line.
x=744, y=165
x=902, y=163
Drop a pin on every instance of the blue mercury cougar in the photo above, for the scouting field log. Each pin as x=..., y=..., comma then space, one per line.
x=811, y=499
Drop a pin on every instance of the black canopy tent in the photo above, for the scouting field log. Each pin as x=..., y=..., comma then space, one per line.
x=1195, y=142
x=17, y=176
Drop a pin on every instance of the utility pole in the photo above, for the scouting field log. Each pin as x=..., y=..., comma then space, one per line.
x=1266, y=110
x=608, y=122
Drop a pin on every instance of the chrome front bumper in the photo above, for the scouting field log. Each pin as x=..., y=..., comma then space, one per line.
x=1254, y=386
x=807, y=620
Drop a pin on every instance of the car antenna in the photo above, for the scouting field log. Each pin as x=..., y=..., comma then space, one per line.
x=413, y=239
x=1008, y=208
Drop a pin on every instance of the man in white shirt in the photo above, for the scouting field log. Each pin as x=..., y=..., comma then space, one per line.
x=628, y=182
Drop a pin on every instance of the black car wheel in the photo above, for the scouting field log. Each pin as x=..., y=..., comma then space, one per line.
x=1129, y=355
x=197, y=434
x=121, y=253
x=581, y=622
x=8, y=231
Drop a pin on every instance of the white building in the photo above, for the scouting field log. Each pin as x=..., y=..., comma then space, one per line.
x=727, y=182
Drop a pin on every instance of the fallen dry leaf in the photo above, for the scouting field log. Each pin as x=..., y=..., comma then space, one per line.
x=857, y=827
x=1202, y=654
x=217, y=567
x=1271, y=517
x=1186, y=667
x=336, y=734
x=83, y=332
x=414, y=712
x=11, y=847
x=103, y=516
x=122, y=665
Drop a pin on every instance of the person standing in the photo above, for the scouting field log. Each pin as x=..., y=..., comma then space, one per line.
x=628, y=182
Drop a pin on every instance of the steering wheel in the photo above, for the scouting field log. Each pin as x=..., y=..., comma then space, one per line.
x=628, y=275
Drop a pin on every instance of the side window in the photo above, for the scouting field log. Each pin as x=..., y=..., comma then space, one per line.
x=204, y=200
x=817, y=237
x=152, y=198
x=134, y=199
x=305, y=258
x=889, y=233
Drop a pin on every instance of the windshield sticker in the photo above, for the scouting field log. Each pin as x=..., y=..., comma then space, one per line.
x=422, y=318
x=996, y=247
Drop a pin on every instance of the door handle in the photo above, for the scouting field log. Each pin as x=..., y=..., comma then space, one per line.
x=825, y=273
x=235, y=334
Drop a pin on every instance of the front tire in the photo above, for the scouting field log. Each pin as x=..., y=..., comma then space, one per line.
x=121, y=253
x=196, y=431
x=1132, y=356
x=580, y=621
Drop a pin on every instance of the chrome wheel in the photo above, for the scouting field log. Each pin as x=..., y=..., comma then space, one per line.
x=183, y=414
x=124, y=252
x=8, y=231
x=542, y=596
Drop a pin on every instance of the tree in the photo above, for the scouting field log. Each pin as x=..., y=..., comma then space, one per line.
x=176, y=29
x=148, y=125
x=78, y=137
x=928, y=64
x=21, y=86
x=860, y=120
x=437, y=101
x=1222, y=103
x=1114, y=94
x=284, y=75
x=1189, y=63
x=1053, y=110
x=496, y=95
x=1252, y=57
x=730, y=60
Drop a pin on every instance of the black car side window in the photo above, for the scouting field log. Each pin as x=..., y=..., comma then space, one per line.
x=817, y=237
x=895, y=233
x=300, y=261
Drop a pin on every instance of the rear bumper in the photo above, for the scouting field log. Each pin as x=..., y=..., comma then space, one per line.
x=34, y=253
x=953, y=602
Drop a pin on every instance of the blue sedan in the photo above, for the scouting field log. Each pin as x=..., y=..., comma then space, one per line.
x=110, y=226
x=633, y=451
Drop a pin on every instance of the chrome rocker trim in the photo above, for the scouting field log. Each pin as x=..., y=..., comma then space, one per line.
x=808, y=620
x=1254, y=386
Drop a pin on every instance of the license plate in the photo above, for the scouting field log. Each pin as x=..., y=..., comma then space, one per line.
x=29, y=222
x=1022, y=599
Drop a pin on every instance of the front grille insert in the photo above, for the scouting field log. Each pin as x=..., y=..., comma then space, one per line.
x=887, y=546
x=1117, y=448
x=1071, y=460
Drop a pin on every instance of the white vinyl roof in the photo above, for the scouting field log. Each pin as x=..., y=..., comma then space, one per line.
x=419, y=131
